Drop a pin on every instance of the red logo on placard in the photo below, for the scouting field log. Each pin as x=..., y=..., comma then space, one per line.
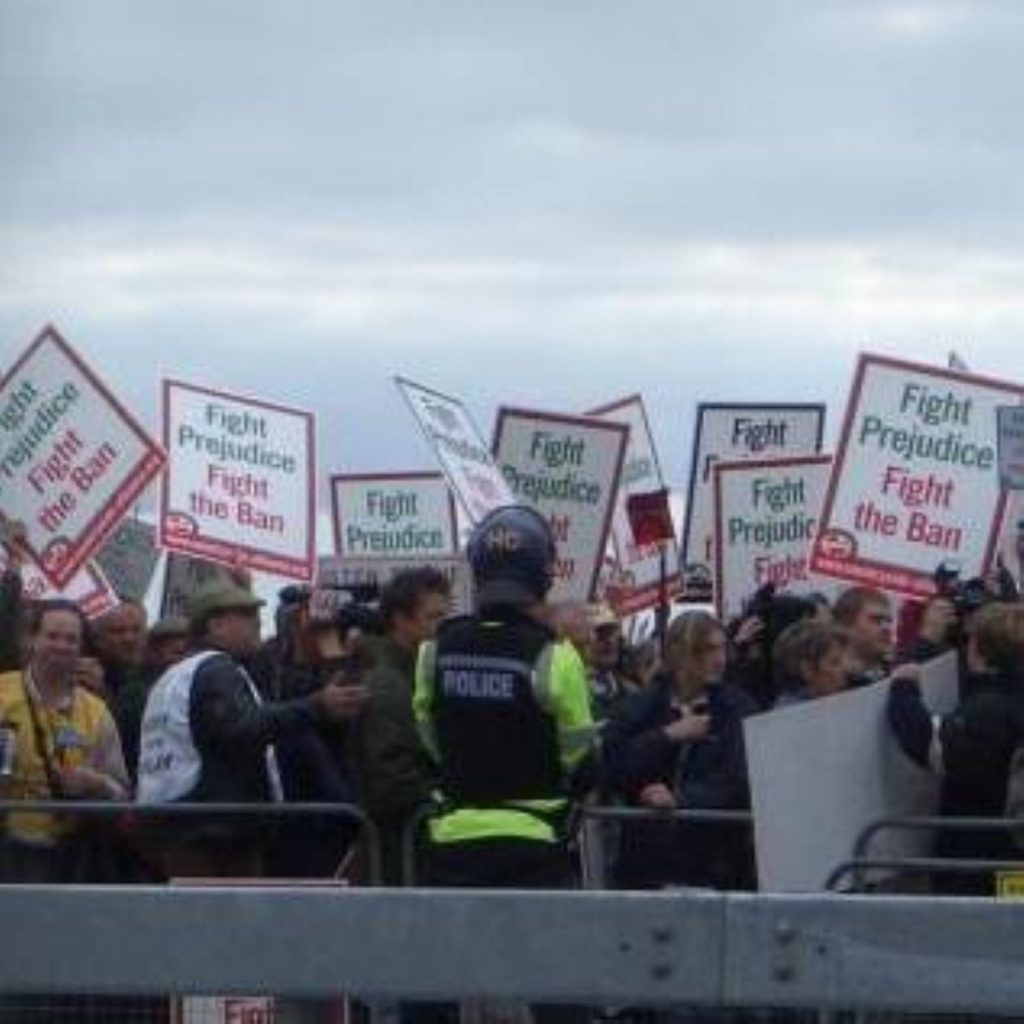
x=55, y=555
x=837, y=544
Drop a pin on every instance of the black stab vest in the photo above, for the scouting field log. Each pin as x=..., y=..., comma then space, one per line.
x=496, y=742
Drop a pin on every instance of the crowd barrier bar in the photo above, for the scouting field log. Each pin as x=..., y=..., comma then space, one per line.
x=128, y=810
x=817, y=951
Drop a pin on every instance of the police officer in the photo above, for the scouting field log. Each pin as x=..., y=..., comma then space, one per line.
x=503, y=707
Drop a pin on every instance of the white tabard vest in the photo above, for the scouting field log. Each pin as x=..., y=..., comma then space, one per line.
x=169, y=764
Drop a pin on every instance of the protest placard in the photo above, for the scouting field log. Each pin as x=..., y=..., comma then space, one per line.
x=346, y=573
x=637, y=579
x=822, y=769
x=1010, y=545
x=766, y=515
x=568, y=469
x=463, y=455
x=239, y=485
x=88, y=588
x=915, y=482
x=729, y=433
x=392, y=515
x=128, y=558
x=1010, y=427
x=72, y=459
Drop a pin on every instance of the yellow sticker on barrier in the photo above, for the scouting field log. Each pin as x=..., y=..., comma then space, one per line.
x=1010, y=885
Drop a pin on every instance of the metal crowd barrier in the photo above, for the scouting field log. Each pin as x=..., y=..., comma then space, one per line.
x=861, y=863
x=710, y=817
x=593, y=854
x=166, y=813
x=585, y=812
x=665, y=949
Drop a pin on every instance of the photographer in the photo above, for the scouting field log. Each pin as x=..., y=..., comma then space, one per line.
x=320, y=644
x=971, y=748
x=942, y=623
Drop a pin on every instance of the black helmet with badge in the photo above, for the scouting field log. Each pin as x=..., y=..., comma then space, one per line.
x=511, y=552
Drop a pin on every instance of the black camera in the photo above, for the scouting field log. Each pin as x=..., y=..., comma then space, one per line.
x=966, y=596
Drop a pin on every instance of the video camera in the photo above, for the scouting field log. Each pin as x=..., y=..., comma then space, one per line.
x=323, y=625
x=352, y=606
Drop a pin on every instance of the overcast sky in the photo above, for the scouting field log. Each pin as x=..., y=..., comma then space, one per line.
x=535, y=203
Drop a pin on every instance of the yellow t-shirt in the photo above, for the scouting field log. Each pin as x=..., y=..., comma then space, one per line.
x=71, y=733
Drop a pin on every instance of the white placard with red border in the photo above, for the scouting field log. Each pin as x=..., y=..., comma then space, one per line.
x=72, y=458
x=729, y=433
x=240, y=483
x=88, y=588
x=393, y=515
x=766, y=516
x=915, y=481
x=568, y=468
x=635, y=579
x=238, y=1009
x=463, y=455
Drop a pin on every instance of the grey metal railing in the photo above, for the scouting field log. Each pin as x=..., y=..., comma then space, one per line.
x=168, y=813
x=822, y=951
x=861, y=863
x=598, y=812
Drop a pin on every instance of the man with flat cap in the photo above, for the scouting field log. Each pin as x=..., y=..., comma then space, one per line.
x=208, y=737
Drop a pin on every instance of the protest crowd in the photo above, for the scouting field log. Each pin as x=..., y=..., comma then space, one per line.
x=481, y=744
x=336, y=709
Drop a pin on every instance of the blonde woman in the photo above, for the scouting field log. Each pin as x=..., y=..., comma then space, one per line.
x=679, y=745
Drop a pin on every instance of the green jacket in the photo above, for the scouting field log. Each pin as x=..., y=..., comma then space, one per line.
x=392, y=772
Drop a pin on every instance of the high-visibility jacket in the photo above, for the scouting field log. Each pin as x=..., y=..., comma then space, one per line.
x=504, y=709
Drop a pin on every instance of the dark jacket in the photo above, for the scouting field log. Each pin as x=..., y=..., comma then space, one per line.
x=706, y=774
x=976, y=743
x=232, y=731
x=127, y=704
x=10, y=621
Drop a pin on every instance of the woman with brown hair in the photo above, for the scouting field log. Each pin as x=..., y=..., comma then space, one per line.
x=811, y=659
x=679, y=745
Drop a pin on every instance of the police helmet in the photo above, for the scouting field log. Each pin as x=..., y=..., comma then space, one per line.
x=512, y=555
